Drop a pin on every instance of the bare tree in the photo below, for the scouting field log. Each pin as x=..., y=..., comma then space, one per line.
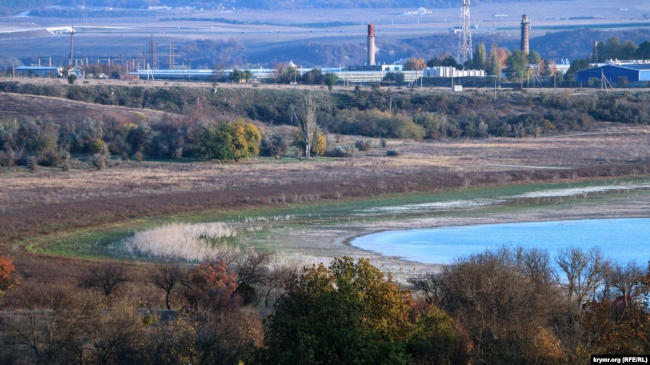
x=106, y=278
x=167, y=277
x=307, y=125
x=498, y=296
x=429, y=284
x=583, y=272
x=628, y=281
x=252, y=274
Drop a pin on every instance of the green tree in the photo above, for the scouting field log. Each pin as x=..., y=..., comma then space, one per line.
x=394, y=78
x=330, y=80
x=237, y=76
x=350, y=314
x=215, y=142
x=643, y=52
x=313, y=77
x=480, y=57
x=518, y=65
x=495, y=66
x=534, y=58
x=344, y=314
x=628, y=50
x=443, y=61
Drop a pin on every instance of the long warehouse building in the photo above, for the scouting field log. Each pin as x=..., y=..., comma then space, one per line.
x=352, y=75
x=616, y=74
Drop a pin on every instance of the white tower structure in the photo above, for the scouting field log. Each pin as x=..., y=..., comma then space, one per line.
x=465, y=39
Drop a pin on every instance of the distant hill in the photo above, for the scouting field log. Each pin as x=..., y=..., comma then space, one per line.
x=255, y=4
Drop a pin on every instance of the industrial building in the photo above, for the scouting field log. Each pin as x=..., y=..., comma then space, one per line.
x=448, y=71
x=352, y=75
x=615, y=73
x=38, y=71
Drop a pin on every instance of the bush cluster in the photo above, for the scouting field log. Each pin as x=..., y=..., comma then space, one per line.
x=52, y=142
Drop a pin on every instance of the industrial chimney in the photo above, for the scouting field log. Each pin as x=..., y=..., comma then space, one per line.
x=371, y=45
x=525, y=34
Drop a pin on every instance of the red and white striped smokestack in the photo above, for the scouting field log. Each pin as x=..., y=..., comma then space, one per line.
x=371, y=45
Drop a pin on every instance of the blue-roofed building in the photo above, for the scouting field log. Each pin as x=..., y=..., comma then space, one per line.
x=38, y=71
x=617, y=74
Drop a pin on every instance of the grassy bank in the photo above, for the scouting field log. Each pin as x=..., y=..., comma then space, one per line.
x=98, y=241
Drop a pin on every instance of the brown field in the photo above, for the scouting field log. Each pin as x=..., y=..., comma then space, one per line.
x=17, y=106
x=52, y=200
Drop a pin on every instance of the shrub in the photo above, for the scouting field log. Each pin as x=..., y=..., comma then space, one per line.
x=229, y=141
x=247, y=139
x=96, y=146
x=392, y=153
x=49, y=158
x=72, y=79
x=320, y=145
x=100, y=159
x=66, y=161
x=362, y=145
x=274, y=145
x=7, y=158
x=339, y=151
x=32, y=164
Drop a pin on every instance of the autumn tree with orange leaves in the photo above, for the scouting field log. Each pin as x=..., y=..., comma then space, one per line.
x=212, y=286
x=7, y=276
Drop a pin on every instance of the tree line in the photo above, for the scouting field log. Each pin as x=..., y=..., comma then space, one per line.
x=372, y=112
x=510, y=306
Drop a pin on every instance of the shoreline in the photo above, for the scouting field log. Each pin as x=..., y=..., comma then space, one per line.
x=641, y=209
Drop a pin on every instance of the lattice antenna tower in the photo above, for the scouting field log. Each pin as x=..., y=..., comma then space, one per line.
x=465, y=39
x=171, y=55
x=153, y=53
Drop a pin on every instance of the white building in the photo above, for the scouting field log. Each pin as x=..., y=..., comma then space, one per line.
x=449, y=71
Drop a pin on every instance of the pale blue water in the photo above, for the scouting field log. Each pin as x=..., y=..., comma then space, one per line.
x=620, y=240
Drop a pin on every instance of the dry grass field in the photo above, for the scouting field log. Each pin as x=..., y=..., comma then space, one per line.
x=52, y=200
x=20, y=106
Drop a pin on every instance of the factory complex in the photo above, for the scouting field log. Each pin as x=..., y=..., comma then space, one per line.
x=351, y=75
x=610, y=74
